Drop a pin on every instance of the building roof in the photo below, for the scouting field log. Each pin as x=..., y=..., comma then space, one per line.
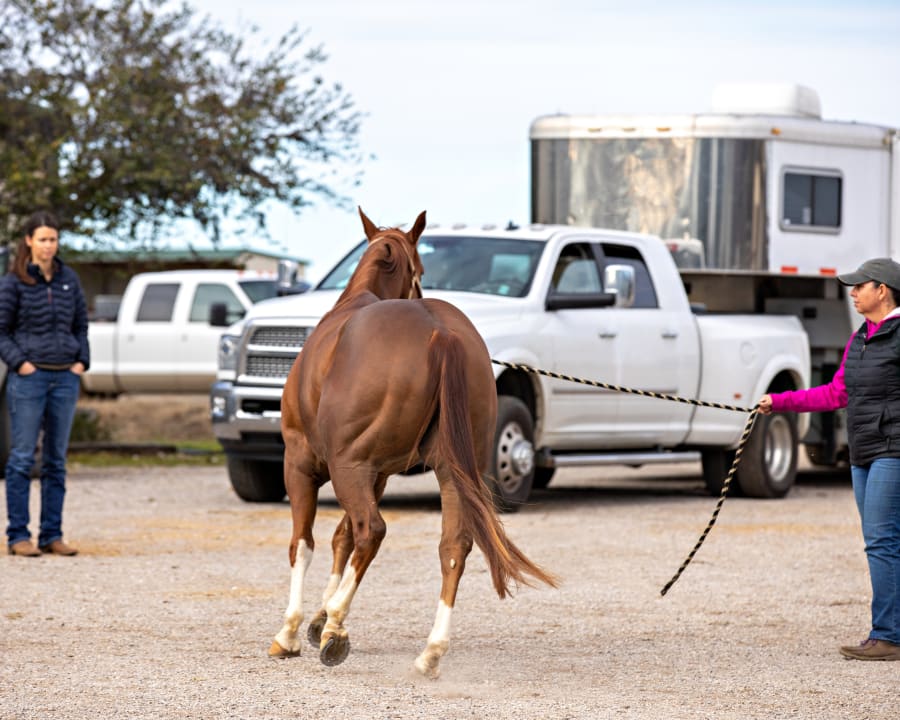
x=170, y=255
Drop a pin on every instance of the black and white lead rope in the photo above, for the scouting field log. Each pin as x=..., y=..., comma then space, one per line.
x=726, y=484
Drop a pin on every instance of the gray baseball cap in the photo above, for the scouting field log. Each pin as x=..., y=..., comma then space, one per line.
x=883, y=270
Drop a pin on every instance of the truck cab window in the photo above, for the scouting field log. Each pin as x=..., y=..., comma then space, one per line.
x=576, y=271
x=209, y=293
x=258, y=290
x=158, y=302
x=644, y=292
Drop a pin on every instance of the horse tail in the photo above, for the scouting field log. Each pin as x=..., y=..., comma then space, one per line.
x=508, y=565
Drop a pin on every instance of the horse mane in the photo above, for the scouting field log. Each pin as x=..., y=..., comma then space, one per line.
x=381, y=258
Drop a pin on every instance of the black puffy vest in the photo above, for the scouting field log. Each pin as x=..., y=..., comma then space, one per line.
x=44, y=322
x=872, y=375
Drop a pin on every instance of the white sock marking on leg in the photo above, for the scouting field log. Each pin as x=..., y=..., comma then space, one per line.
x=293, y=615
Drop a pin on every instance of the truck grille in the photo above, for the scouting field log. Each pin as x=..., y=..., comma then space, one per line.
x=271, y=349
x=292, y=337
x=269, y=367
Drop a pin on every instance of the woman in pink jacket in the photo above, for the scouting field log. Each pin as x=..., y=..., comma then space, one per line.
x=868, y=385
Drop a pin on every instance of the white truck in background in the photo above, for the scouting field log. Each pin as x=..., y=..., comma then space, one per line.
x=761, y=202
x=161, y=339
x=597, y=304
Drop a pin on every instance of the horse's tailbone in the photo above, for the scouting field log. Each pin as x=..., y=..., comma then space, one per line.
x=508, y=564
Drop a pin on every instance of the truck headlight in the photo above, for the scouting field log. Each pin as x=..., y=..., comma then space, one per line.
x=228, y=353
x=218, y=408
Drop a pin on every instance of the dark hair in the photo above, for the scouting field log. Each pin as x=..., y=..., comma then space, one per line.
x=895, y=293
x=39, y=219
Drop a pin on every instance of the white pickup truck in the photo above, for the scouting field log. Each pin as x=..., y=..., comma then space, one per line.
x=540, y=297
x=161, y=339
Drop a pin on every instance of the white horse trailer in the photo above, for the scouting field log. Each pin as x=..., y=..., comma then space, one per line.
x=761, y=201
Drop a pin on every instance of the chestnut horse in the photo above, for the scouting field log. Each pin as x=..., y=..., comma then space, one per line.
x=387, y=381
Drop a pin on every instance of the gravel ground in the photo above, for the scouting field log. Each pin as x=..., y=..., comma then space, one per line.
x=171, y=606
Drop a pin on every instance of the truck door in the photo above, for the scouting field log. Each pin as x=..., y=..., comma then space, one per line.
x=146, y=349
x=656, y=350
x=198, y=341
x=580, y=342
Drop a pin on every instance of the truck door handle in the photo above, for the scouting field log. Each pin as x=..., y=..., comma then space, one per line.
x=607, y=334
x=669, y=334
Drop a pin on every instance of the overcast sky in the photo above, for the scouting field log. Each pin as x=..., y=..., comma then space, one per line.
x=451, y=88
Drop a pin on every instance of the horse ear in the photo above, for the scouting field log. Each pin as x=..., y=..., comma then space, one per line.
x=417, y=228
x=368, y=226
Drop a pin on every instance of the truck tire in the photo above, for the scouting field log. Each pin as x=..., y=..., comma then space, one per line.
x=542, y=477
x=819, y=456
x=256, y=480
x=512, y=459
x=716, y=464
x=768, y=466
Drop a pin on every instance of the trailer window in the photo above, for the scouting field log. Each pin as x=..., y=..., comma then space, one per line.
x=811, y=201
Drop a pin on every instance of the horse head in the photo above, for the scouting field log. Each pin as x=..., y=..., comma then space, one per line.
x=391, y=265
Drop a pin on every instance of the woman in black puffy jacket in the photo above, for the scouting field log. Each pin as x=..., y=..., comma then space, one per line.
x=43, y=341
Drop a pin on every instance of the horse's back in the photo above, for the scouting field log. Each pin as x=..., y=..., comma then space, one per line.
x=380, y=393
x=402, y=330
x=394, y=336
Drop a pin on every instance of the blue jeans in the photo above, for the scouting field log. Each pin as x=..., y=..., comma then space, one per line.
x=44, y=400
x=877, y=490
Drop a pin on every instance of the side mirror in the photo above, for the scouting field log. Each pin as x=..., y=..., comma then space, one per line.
x=218, y=315
x=288, y=283
x=287, y=274
x=618, y=280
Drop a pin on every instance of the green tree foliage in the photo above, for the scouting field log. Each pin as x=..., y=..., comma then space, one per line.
x=126, y=115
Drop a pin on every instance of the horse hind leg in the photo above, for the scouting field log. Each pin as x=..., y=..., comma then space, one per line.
x=303, y=494
x=358, y=499
x=341, y=547
x=286, y=642
x=455, y=546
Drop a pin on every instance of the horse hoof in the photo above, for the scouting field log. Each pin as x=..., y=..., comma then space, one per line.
x=276, y=651
x=314, y=631
x=428, y=667
x=335, y=651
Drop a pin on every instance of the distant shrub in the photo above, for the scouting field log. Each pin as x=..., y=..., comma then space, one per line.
x=88, y=427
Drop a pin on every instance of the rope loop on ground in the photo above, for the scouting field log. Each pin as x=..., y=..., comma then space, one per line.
x=745, y=436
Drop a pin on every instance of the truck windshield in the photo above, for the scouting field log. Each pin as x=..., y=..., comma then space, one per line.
x=489, y=265
x=259, y=289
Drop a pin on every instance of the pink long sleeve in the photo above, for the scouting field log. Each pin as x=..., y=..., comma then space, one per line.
x=831, y=396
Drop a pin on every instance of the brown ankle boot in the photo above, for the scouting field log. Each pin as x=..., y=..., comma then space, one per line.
x=25, y=548
x=872, y=650
x=58, y=547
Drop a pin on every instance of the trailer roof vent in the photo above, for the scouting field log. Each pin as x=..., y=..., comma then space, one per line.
x=766, y=99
